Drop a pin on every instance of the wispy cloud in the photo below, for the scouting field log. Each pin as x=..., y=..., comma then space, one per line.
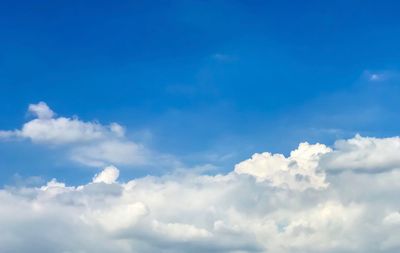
x=381, y=75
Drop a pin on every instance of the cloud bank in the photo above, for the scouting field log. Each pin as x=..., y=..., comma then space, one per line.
x=318, y=199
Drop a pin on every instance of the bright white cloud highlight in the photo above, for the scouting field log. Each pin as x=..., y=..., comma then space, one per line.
x=109, y=175
x=298, y=171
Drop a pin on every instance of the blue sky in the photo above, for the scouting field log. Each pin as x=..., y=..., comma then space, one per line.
x=208, y=82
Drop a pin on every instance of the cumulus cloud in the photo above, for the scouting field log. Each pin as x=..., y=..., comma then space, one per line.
x=307, y=165
x=298, y=171
x=364, y=154
x=41, y=110
x=89, y=143
x=268, y=203
x=109, y=175
x=260, y=206
x=62, y=130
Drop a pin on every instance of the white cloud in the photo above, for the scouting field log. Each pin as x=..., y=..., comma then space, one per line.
x=364, y=153
x=305, y=166
x=298, y=171
x=41, y=110
x=109, y=175
x=268, y=203
x=89, y=143
x=258, y=207
x=62, y=130
x=392, y=219
x=179, y=231
x=115, y=218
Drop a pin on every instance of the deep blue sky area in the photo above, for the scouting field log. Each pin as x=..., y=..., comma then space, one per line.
x=208, y=82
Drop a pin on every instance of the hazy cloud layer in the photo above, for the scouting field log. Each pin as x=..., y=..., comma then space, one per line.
x=269, y=203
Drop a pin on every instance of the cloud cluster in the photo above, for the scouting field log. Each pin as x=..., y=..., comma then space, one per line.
x=89, y=143
x=314, y=200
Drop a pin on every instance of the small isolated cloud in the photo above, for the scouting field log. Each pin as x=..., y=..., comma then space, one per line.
x=89, y=143
x=109, y=175
x=269, y=203
x=375, y=77
x=383, y=75
x=223, y=57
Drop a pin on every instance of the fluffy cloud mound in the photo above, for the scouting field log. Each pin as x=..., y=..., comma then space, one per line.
x=41, y=110
x=57, y=131
x=109, y=175
x=364, y=153
x=89, y=143
x=261, y=206
x=298, y=171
